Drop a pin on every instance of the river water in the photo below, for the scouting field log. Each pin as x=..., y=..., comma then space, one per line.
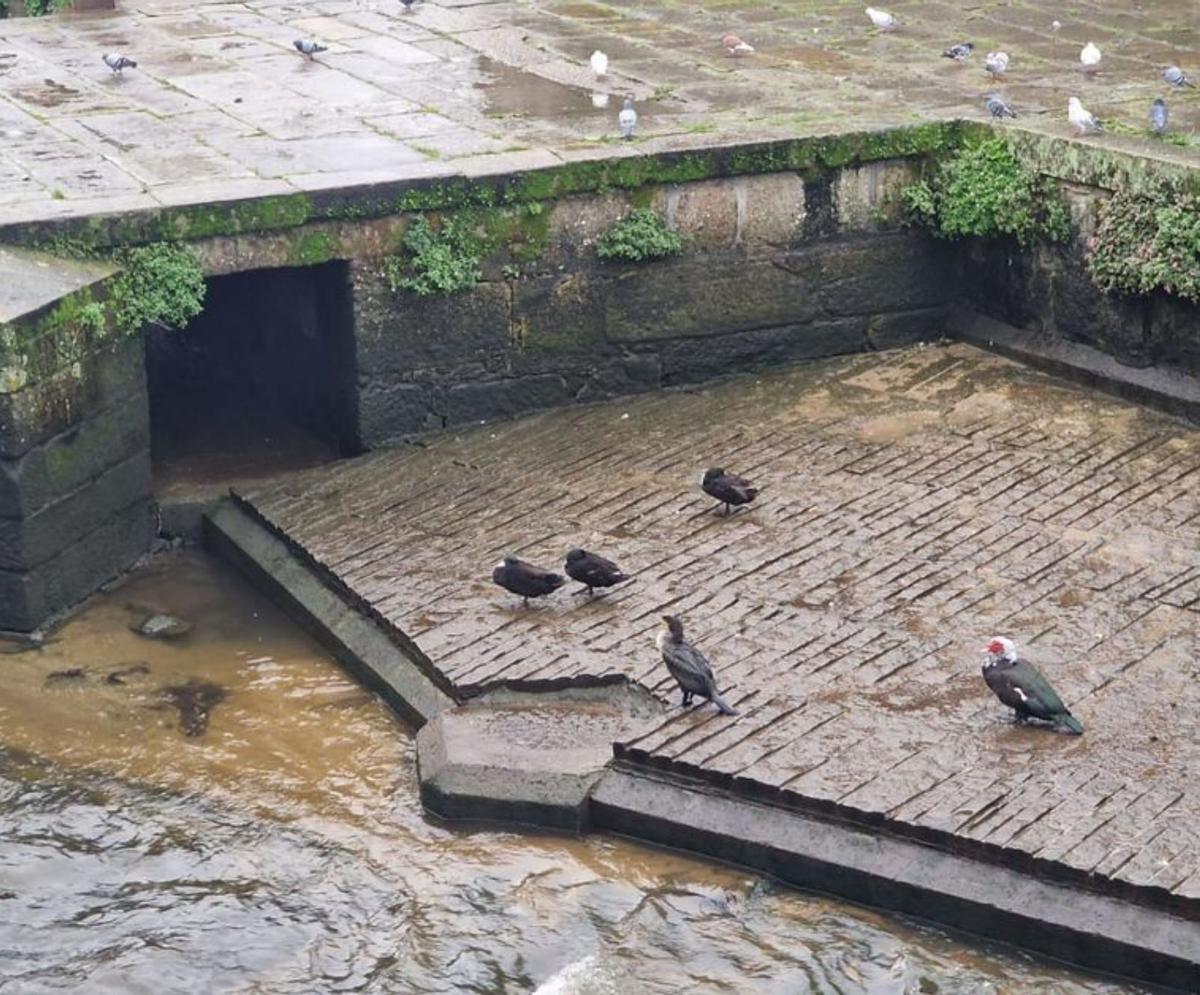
x=229, y=812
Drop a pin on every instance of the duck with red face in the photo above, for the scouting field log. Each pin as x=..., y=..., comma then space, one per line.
x=1021, y=686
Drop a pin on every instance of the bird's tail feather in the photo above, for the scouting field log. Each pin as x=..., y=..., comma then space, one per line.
x=723, y=705
x=1071, y=724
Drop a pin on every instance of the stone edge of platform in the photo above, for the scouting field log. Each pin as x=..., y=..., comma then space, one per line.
x=901, y=876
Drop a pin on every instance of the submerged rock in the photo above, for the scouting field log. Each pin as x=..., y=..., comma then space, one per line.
x=122, y=675
x=61, y=676
x=194, y=700
x=159, y=625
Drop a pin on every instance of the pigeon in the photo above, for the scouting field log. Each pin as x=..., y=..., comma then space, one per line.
x=526, y=580
x=688, y=666
x=1158, y=116
x=408, y=5
x=960, y=52
x=1090, y=57
x=592, y=570
x=998, y=108
x=882, y=19
x=307, y=47
x=996, y=63
x=1056, y=25
x=1020, y=685
x=117, y=62
x=1176, y=77
x=727, y=488
x=735, y=46
x=599, y=62
x=1081, y=120
x=627, y=120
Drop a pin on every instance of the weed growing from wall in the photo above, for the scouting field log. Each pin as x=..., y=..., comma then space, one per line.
x=1143, y=244
x=637, y=237
x=159, y=284
x=444, y=260
x=983, y=191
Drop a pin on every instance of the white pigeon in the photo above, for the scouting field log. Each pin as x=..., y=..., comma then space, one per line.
x=1081, y=119
x=1090, y=57
x=627, y=120
x=881, y=19
x=996, y=63
x=735, y=46
x=599, y=63
x=599, y=100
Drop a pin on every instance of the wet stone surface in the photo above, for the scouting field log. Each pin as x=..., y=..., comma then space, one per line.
x=915, y=503
x=221, y=106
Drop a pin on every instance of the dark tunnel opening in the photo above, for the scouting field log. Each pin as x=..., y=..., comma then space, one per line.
x=260, y=382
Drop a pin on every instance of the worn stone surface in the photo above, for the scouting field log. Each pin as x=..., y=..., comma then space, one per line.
x=915, y=504
x=33, y=281
x=221, y=107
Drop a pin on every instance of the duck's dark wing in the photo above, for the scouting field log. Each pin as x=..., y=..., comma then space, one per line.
x=1039, y=698
x=690, y=668
x=595, y=571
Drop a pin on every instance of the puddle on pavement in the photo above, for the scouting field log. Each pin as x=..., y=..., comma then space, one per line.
x=277, y=844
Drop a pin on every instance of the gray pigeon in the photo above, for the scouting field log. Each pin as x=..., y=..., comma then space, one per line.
x=1176, y=77
x=627, y=120
x=688, y=666
x=960, y=52
x=307, y=47
x=408, y=5
x=116, y=62
x=1158, y=116
x=998, y=108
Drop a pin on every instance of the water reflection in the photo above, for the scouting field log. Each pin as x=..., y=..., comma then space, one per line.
x=282, y=849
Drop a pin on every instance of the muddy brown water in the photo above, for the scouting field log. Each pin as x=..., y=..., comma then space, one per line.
x=229, y=812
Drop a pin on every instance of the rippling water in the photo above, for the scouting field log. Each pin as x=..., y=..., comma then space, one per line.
x=283, y=848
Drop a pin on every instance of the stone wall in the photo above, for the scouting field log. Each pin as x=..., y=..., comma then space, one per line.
x=75, y=486
x=775, y=268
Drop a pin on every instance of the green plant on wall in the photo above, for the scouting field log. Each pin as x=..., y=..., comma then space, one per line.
x=1143, y=244
x=442, y=260
x=639, y=236
x=159, y=284
x=984, y=191
x=38, y=8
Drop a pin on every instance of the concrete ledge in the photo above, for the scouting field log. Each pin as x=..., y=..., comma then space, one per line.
x=1003, y=905
x=1158, y=387
x=357, y=641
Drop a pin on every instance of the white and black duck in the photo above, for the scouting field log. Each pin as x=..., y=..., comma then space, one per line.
x=1021, y=686
x=592, y=570
x=689, y=666
x=526, y=580
x=730, y=490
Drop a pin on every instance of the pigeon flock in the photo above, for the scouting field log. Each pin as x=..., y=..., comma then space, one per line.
x=1016, y=682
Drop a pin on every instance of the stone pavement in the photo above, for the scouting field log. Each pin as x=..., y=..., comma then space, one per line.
x=221, y=106
x=915, y=504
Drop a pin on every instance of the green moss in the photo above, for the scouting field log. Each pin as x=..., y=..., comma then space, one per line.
x=63, y=336
x=158, y=284
x=261, y=214
x=1144, y=244
x=443, y=260
x=312, y=248
x=983, y=191
x=637, y=237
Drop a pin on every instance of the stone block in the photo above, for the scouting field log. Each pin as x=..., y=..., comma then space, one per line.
x=692, y=360
x=66, y=462
x=623, y=375
x=704, y=213
x=498, y=399
x=694, y=297
x=28, y=599
x=559, y=313
x=867, y=197
x=29, y=541
x=770, y=209
x=576, y=222
x=1116, y=325
x=397, y=333
x=387, y=410
x=891, y=331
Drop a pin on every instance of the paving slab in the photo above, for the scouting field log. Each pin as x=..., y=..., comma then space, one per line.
x=914, y=504
x=220, y=94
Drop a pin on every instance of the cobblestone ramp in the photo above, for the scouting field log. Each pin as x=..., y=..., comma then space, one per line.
x=914, y=504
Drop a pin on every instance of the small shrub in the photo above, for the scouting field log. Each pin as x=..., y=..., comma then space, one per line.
x=1142, y=244
x=444, y=261
x=159, y=284
x=638, y=236
x=985, y=192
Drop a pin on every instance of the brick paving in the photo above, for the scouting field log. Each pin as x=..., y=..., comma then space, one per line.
x=915, y=503
x=221, y=106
